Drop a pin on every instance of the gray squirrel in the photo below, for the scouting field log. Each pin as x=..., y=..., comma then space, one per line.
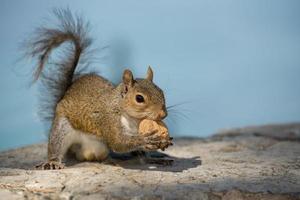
x=89, y=111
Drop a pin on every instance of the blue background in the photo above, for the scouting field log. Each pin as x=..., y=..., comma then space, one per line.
x=231, y=63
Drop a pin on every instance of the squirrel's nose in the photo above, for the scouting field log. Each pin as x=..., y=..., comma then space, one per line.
x=162, y=114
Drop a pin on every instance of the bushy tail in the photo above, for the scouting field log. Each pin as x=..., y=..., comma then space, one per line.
x=57, y=78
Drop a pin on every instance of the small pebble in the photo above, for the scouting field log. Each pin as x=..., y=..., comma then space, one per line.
x=152, y=167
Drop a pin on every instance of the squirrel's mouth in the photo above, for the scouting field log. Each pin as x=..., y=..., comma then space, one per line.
x=155, y=116
x=158, y=116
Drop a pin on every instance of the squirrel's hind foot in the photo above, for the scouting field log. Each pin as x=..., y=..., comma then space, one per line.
x=50, y=165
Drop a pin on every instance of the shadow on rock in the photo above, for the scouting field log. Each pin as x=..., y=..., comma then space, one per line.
x=153, y=161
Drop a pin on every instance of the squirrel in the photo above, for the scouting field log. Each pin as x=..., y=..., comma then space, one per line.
x=90, y=115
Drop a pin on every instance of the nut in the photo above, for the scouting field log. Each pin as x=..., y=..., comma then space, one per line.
x=147, y=126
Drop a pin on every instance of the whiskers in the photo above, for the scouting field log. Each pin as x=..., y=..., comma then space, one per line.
x=176, y=105
x=177, y=113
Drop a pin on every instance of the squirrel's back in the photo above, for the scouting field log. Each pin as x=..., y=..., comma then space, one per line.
x=89, y=86
x=89, y=98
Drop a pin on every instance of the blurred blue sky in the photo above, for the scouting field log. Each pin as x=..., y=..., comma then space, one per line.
x=233, y=63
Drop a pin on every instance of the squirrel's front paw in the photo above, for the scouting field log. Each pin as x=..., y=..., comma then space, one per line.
x=154, y=141
x=166, y=142
x=50, y=165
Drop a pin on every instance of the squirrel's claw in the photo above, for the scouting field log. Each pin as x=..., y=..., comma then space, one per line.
x=50, y=165
x=154, y=142
x=165, y=144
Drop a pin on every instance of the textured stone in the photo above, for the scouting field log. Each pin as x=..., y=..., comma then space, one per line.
x=251, y=163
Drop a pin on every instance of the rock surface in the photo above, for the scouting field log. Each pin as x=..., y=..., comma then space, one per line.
x=247, y=163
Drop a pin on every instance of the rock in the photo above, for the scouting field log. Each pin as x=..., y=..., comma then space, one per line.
x=251, y=163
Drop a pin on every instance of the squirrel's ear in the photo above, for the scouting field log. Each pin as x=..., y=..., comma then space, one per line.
x=127, y=77
x=149, y=74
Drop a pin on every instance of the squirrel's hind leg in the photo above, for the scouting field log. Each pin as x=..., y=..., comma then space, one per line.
x=60, y=139
x=91, y=148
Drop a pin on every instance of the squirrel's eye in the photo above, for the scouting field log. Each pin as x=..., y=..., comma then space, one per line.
x=139, y=98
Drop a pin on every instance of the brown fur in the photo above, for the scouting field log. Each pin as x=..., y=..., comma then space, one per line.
x=91, y=105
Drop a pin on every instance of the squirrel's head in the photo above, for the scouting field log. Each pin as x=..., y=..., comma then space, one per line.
x=142, y=99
